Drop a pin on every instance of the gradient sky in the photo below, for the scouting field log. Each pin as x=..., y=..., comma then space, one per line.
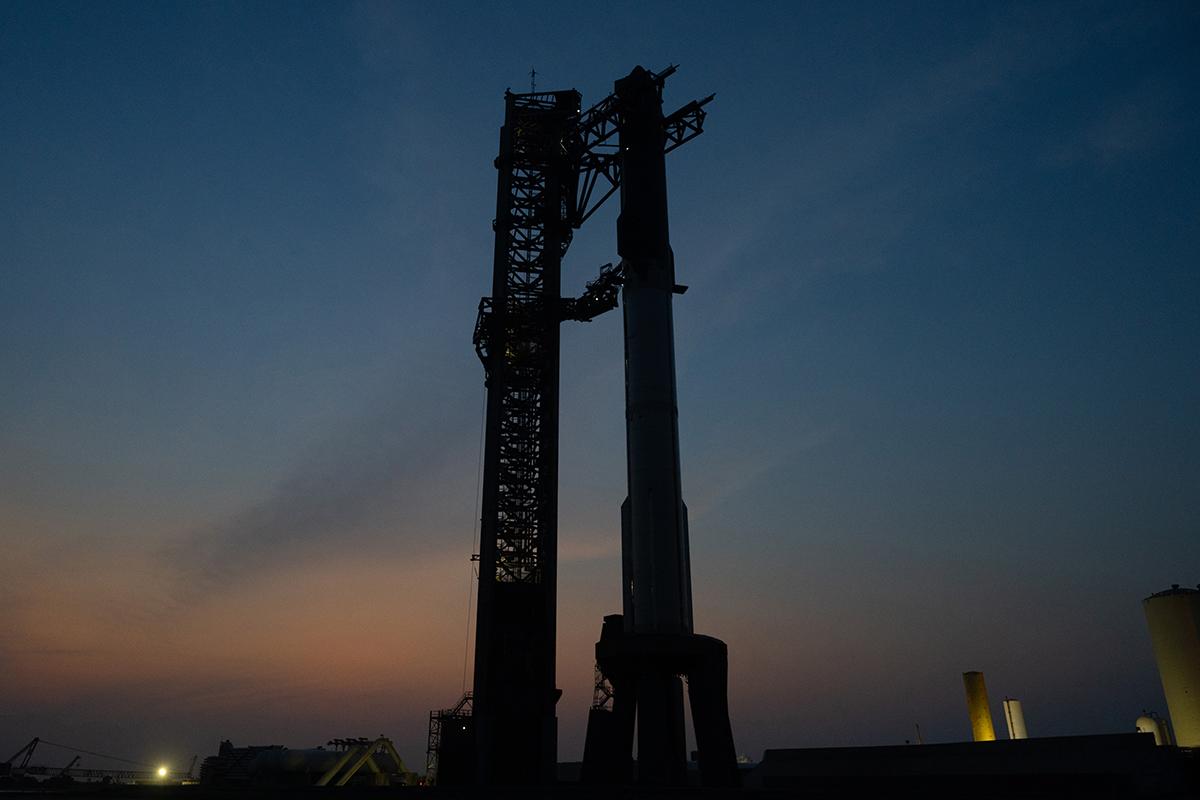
x=938, y=365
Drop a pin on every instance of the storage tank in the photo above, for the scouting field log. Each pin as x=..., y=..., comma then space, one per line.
x=1174, y=620
x=1156, y=726
x=977, y=704
x=1015, y=719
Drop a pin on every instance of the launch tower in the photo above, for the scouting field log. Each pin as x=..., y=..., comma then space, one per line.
x=552, y=159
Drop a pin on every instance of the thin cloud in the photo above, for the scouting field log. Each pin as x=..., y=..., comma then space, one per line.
x=391, y=481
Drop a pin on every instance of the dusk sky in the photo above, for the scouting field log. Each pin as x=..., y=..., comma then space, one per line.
x=938, y=365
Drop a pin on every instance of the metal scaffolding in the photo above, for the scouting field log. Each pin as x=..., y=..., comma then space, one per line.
x=517, y=337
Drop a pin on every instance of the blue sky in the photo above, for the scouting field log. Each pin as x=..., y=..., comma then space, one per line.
x=939, y=402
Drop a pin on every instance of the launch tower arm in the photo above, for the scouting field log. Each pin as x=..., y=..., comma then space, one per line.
x=599, y=296
x=595, y=151
x=685, y=124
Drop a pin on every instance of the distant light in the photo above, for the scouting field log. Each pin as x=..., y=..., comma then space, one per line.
x=162, y=772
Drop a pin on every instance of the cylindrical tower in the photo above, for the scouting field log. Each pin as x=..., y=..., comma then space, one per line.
x=1015, y=719
x=977, y=704
x=1174, y=620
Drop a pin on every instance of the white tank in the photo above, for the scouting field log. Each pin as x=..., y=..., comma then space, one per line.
x=1155, y=725
x=1174, y=620
x=1015, y=719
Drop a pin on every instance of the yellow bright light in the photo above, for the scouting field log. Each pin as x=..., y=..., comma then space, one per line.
x=162, y=772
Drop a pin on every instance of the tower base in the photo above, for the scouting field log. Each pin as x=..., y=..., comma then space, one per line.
x=644, y=670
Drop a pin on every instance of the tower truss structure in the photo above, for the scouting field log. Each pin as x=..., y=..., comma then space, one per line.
x=517, y=338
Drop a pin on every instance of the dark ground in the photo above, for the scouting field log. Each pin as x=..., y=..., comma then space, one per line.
x=962, y=790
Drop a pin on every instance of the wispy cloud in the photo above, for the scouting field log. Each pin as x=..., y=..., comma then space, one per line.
x=393, y=482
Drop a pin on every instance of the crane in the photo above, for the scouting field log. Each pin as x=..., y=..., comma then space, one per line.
x=157, y=775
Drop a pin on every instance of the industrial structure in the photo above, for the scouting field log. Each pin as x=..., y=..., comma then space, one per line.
x=350, y=762
x=553, y=158
x=1015, y=718
x=1174, y=620
x=17, y=767
x=977, y=705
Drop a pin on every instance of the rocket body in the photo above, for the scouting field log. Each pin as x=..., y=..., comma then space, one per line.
x=658, y=574
x=657, y=643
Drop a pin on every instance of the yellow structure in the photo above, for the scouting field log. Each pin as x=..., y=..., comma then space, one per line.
x=1174, y=620
x=358, y=756
x=977, y=704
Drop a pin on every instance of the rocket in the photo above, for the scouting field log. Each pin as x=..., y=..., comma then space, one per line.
x=655, y=643
x=658, y=595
